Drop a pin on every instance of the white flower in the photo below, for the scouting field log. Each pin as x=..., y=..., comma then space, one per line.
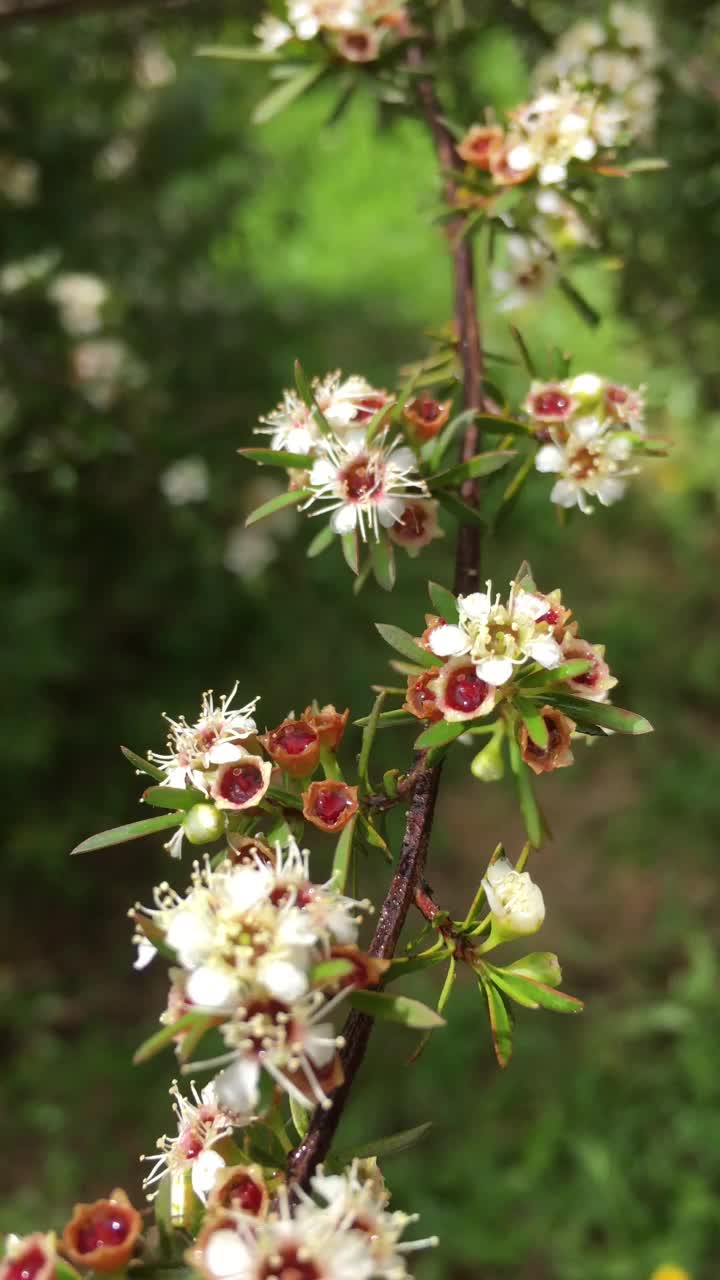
x=80, y=299
x=498, y=637
x=214, y=739
x=272, y=33
x=531, y=268
x=186, y=480
x=202, y=1123
x=516, y=902
x=591, y=462
x=361, y=486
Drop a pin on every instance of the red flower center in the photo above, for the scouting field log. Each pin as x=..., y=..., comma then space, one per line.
x=190, y=1145
x=242, y=1192
x=106, y=1226
x=295, y=738
x=241, y=783
x=411, y=524
x=360, y=479
x=28, y=1265
x=290, y=1267
x=552, y=403
x=330, y=804
x=616, y=395
x=465, y=691
x=369, y=405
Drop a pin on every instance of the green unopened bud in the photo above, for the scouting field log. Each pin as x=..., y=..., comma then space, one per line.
x=203, y=823
x=489, y=765
x=516, y=903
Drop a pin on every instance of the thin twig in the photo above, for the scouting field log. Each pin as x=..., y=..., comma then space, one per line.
x=409, y=875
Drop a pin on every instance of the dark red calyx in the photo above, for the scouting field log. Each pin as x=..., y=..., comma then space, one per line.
x=242, y=1192
x=28, y=1265
x=109, y=1226
x=552, y=403
x=330, y=804
x=295, y=738
x=241, y=783
x=465, y=691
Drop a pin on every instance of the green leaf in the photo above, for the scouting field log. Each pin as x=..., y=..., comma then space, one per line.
x=501, y=1024
x=236, y=53
x=579, y=302
x=524, y=351
x=343, y=856
x=404, y=644
x=526, y=796
x=382, y=555
x=566, y=671
x=483, y=464
x=130, y=831
x=194, y=1035
x=411, y=1013
x=165, y=1035
x=403, y=965
x=329, y=971
x=393, y=1145
x=286, y=93
x=320, y=542
x=603, y=714
x=541, y=966
x=281, y=500
x=387, y=719
x=444, y=602
x=351, y=550
x=441, y=733
x=436, y=448
x=533, y=721
x=287, y=799
x=503, y=425
x=367, y=741
x=533, y=995
x=300, y=1116
x=277, y=458
x=173, y=797
x=373, y=836
x=142, y=765
x=461, y=511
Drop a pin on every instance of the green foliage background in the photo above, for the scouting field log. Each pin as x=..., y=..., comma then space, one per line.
x=228, y=252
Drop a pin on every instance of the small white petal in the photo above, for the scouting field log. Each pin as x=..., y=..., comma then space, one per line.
x=584, y=149
x=546, y=651
x=209, y=988
x=586, y=429
x=476, y=606
x=390, y=511
x=549, y=458
x=609, y=490
x=323, y=472
x=586, y=384
x=521, y=158
x=552, y=173
x=236, y=1087
x=226, y=1255
x=565, y=493
x=283, y=980
x=344, y=519
x=495, y=671
x=447, y=641
x=248, y=886
x=205, y=1169
x=224, y=753
x=146, y=952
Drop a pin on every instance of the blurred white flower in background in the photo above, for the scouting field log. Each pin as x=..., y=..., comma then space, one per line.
x=186, y=480
x=80, y=299
x=19, y=179
x=116, y=158
x=154, y=68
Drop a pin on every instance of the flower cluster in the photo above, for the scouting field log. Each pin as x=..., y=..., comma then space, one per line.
x=346, y=460
x=353, y=30
x=592, y=431
x=250, y=937
x=343, y=1231
x=617, y=58
x=543, y=138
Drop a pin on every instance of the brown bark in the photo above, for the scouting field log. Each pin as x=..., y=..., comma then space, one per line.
x=409, y=874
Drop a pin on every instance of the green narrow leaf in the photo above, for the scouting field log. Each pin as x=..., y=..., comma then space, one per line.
x=286, y=93
x=372, y=836
x=500, y=423
x=173, y=797
x=460, y=510
x=367, y=741
x=522, y=347
x=287, y=799
x=320, y=542
x=483, y=464
x=438, y=447
x=351, y=550
x=533, y=721
x=387, y=719
x=130, y=831
x=307, y=395
x=444, y=602
x=579, y=302
x=412, y=964
x=393, y=1145
x=441, y=733
x=566, y=671
x=343, y=856
x=278, y=458
x=165, y=1035
x=142, y=765
x=512, y=491
x=501, y=1024
x=194, y=1035
x=526, y=796
x=300, y=1116
x=382, y=555
x=532, y=994
x=281, y=500
x=404, y=644
x=601, y=713
x=235, y=53
x=411, y=1013
x=328, y=971
x=541, y=966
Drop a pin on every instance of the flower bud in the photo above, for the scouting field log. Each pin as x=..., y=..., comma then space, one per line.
x=29, y=1257
x=203, y=824
x=102, y=1235
x=329, y=724
x=489, y=765
x=557, y=753
x=516, y=903
x=240, y=1188
x=330, y=805
x=294, y=746
x=417, y=526
x=479, y=144
x=426, y=416
x=420, y=700
x=242, y=783
x=460, y=692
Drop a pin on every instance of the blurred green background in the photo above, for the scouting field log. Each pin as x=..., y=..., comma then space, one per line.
x=130, y=586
